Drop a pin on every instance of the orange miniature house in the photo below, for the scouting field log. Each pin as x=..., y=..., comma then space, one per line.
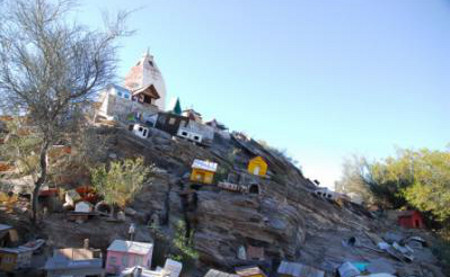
x=203, y=171
x=257, y=166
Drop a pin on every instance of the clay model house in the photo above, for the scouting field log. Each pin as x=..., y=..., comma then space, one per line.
x=74, y=262
x=196, y=132
x=170, y=122
x=250, y=271
x=219, y=128
x=14, y=258
x=125, y=254
x=257, y=166
x=203, y=171
x=217, y=273
x=8, y=235
x=326, y=193
x=171, y=269
x=193, y=115
x=83, y=207
x=139, y=130
x=146, y=83
x=115, y=101
x=290, y=269
x=144, y=93
x=410, y=219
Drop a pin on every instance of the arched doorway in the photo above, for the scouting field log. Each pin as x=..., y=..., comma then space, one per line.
x=254, y=189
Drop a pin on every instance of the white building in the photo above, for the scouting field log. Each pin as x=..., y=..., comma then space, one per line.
x=117, y=102
x=139, y=130
x=326, y=193
x=196, y=132
x=146, y=74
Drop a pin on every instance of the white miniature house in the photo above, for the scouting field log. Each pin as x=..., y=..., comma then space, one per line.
x=139, y=130
x=83, y=207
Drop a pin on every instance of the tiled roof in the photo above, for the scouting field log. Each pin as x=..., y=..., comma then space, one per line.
x=299, y=270
x=217, y=273
x=205, y=165
x=141, y=248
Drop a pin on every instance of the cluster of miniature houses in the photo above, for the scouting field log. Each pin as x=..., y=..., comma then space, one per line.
x=142, y=102
x=12, y=255
x=285, y=269
x=124, y=258
x=240, y=181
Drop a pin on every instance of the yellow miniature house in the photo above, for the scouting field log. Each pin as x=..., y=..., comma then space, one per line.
x=257, y=166
x=203, y=171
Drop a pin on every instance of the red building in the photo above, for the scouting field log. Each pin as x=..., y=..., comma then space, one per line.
x=410, y=219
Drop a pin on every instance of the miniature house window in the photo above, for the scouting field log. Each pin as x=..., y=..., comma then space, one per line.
x=140, y=129
x=144, y=133
x=112, y=260
x=196, y=138
x=126, y=96
x=254, y=189
x=150, y=62
x=138, y=260
x=119, y=93
x=184, y=134
x=172, y=121
x=125, y=260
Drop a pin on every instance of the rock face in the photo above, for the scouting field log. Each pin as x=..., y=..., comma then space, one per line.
x=283, y=217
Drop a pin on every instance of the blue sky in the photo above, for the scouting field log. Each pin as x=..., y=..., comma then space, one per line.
x=322, y=78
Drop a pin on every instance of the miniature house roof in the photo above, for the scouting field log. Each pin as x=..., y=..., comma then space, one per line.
x=4, y=227
x=249, y=271
x=216, y=273
x=296, y=269
x=204, y=165
x=135, y=247
x=144, y=272
x=408, y=213
x=74, y=253
x=214, y=123
x=258, y=159
x=173, y=264
x=149, y=90
x=118, y=88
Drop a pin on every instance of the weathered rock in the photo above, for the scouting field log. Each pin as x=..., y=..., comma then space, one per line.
x=284, y=218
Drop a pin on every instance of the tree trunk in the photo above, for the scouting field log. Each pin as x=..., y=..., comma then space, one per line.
x=40, y=180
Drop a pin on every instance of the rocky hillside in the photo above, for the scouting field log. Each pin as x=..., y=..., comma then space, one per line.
x=285, y=218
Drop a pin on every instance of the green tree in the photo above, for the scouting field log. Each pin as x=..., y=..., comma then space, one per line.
x=21, y=148
x=430, y=188
x=183, y=241
x=414, y=178
x=354, y=179
x=121, y=181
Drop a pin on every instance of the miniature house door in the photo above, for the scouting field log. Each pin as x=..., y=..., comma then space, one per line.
x=256, y=170
x=200, y=176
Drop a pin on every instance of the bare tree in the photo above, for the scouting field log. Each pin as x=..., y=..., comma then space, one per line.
x=50, y=68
